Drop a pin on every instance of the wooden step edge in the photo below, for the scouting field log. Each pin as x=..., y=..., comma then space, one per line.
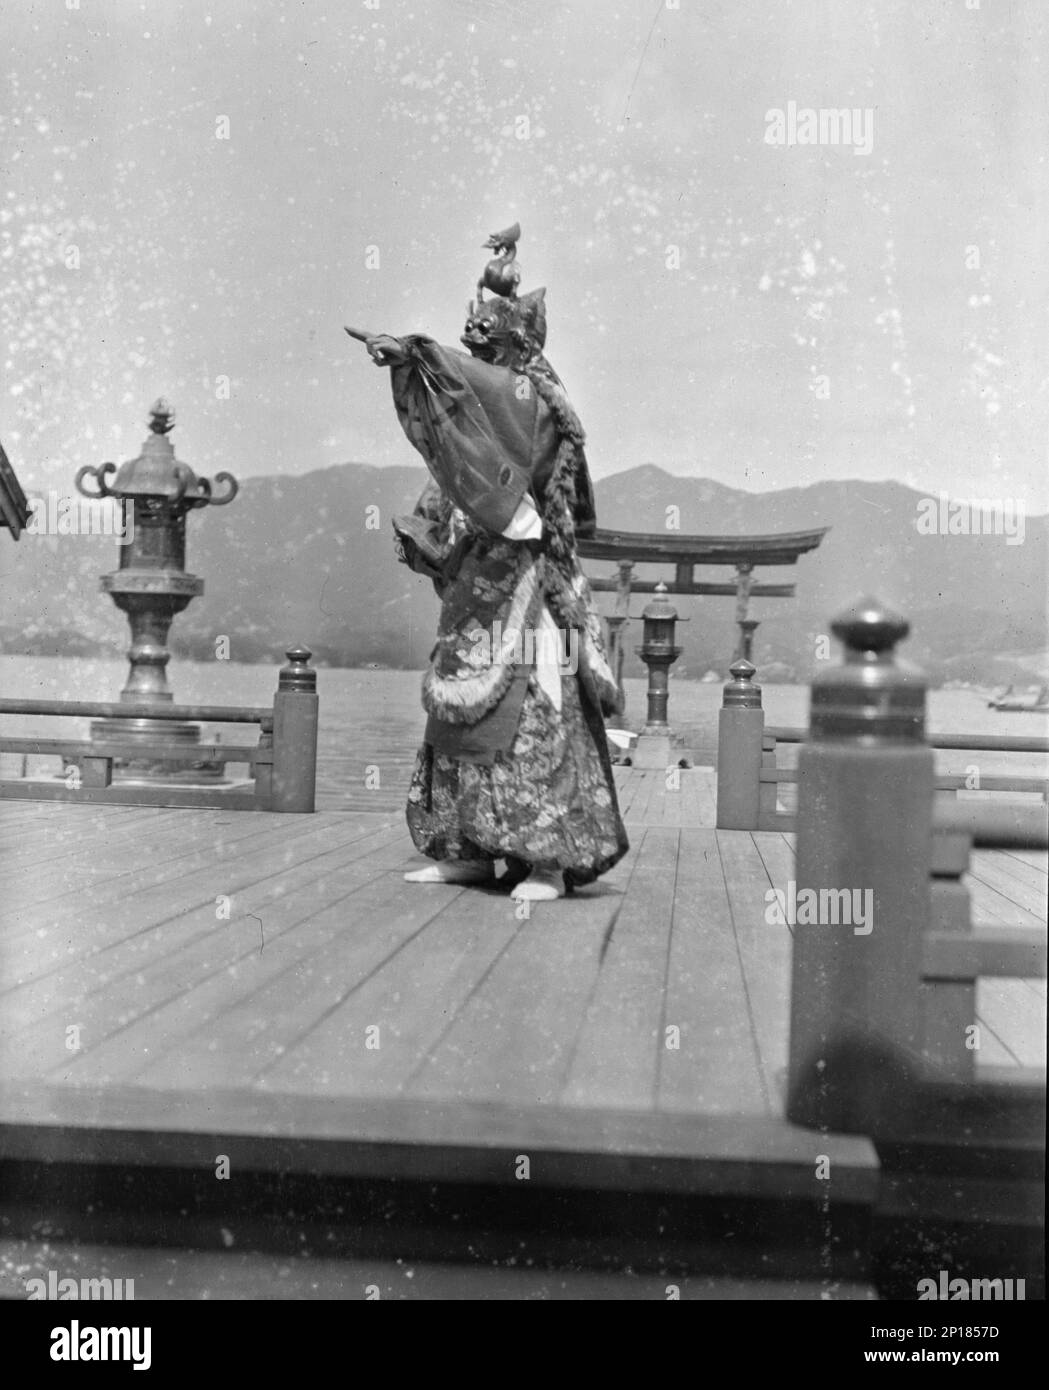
x=443, y=1140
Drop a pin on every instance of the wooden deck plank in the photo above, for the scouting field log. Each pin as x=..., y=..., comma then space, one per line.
x=71, y=879
x=696, y=805
x=512, y=1038
x=646, y=791
x=114, y=836
x=689, y=806
x=1033, y=876
x=9, y=809
x=413, y=999
x=657, y=796
x=765, y=955
x=320, y=964
x=669, y=793
x=14, y=814
x=1036, y=858
x=777, y=857
x=989, y=906
x=1016, y=1016
x=20, y=810
x=992, y=1051
x=38, y=840
x=150, y=864
x=173, y=996
x=626, y=787
x=715, y=1070
x=705, y=781
x=237, y=797
x=96, y=944
x=617, y=1057
x=93, y=990
x=1016, y=882
x=667, y=807
x=79, y=936
x=664, y=801
x=48, y=867
x=630, y=783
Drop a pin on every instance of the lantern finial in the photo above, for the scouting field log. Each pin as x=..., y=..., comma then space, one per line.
x=161, y=416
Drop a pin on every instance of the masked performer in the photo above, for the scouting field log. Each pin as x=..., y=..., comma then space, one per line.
x=514, y=763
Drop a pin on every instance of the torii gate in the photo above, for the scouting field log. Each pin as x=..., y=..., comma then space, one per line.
x=630, y=548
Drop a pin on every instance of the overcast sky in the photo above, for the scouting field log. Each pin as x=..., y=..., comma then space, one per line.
x=766, y=315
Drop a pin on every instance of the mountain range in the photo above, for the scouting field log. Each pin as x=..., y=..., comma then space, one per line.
x=310, y=559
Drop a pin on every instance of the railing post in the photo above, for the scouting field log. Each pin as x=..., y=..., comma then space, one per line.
x=263, y=765
x=949, y=1006
x=295, y=708
x=741, y=724
x=768, y=792
x=864, y=854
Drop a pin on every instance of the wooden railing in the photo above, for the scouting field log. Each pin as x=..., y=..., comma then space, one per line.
x=283, y=763
x=750, y=776
x=883, y=1027
x=945, y=781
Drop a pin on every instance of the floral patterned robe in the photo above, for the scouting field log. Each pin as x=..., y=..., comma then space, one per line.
x=507, y=769
x=527, y=782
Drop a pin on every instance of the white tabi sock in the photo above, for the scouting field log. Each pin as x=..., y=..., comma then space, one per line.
x=541, y=885
x=454, y=871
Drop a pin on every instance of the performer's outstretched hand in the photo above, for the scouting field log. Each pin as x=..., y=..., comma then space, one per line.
x=385, y=351
x=382, y=349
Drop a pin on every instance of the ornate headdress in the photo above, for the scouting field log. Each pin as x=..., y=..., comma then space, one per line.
x=507, y=331
x=510, y=331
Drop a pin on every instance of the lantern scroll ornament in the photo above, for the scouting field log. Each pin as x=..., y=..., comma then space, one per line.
x=155, y=492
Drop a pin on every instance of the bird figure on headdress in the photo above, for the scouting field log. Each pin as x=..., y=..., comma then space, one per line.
x=502, y=274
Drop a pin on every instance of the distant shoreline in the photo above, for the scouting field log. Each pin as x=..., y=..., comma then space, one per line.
x=1025, y=678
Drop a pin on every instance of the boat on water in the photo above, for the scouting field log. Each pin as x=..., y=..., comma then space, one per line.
x=1008, y=700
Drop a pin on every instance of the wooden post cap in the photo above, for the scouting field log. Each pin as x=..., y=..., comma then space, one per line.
x=870, y=696
x=868, y=626
x=741, y=692
x=297, y=675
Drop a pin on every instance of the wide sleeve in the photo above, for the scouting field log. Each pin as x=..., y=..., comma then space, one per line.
x=483, y=431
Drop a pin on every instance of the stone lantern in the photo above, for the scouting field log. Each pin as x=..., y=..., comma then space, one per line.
x=155, y=492
x=659, y=652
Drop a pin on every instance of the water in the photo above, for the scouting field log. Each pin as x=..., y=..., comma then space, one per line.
x=371, y=721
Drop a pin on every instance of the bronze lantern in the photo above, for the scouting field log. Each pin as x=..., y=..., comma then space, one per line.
x=155, y=492
x=659, y=652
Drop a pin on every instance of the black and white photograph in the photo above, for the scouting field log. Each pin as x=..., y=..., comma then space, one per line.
x=524, y=663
